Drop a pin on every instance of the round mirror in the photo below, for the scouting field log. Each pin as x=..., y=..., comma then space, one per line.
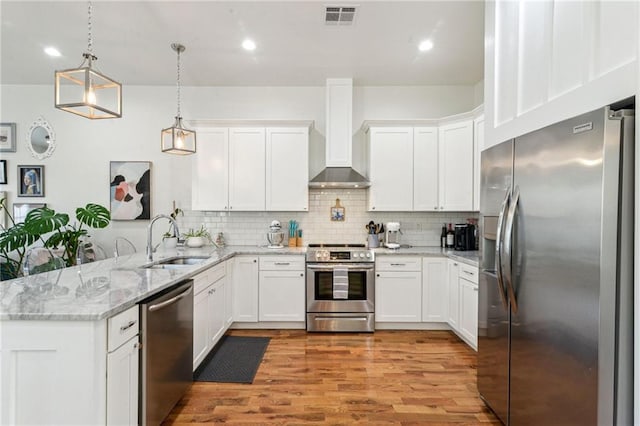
x=41, y=139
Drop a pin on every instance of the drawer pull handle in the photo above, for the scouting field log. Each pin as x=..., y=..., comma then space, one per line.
x=467, y=272
x=128, y=326
x=282, y=263
x=398, y=264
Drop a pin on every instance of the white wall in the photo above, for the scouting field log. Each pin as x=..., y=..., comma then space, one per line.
x=78, y=171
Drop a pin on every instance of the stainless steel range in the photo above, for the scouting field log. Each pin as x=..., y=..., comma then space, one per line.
x=340, y=288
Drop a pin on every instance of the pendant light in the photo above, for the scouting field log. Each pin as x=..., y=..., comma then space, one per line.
x=87, y=92
x=177, y=139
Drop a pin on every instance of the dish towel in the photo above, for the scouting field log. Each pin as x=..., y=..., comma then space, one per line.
x=340, y=283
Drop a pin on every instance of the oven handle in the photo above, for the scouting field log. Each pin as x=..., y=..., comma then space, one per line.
x=326, y=266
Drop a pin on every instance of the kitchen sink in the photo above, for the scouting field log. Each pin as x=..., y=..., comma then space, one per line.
x=176, y=262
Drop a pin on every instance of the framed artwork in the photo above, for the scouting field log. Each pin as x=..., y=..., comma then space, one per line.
x=3, y=212
x=3, y=172
x=30, y=181
x=130, y=186
x=7, y=137
x=337, y=212
x=20, y=210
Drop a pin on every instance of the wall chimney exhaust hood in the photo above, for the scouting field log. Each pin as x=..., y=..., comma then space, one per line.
x=339, y=172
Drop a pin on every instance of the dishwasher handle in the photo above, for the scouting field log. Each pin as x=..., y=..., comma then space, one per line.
x=171, y=301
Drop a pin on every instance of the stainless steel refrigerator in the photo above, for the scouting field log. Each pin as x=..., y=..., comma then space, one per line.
x=555, y=330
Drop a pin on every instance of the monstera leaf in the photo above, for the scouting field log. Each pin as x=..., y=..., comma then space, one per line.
x=16, y=237
x=43, y=220
x=93, y=215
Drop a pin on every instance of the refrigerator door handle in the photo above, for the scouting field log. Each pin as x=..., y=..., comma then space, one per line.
x=508, y=249
x=499, y=244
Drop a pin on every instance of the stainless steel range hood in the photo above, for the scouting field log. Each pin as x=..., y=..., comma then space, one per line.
x=339, y=172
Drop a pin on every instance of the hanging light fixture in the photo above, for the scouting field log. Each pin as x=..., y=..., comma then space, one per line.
x=87, y=92
x=177, y=139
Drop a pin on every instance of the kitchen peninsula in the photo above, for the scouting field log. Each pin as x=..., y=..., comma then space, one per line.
x=58, y=342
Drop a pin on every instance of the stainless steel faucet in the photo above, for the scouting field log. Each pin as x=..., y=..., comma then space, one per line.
x=149, y=237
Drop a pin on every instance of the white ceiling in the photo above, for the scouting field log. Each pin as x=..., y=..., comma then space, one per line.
x=295, y=48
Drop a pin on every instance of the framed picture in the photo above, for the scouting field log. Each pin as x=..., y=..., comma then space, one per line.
x=30, y=181
x=7, y=137
x=130, y=186
x=20, y=210
x=3, y=172
x=337, y=212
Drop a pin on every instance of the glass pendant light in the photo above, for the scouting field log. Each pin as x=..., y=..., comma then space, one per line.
x=87, y=92
x=178, y=139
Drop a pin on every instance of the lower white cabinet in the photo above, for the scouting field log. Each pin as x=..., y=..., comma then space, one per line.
x=122, y=384
x=434, y=289
x=210, y=311
x=282, y=288
x=468, y=283
x=244, y=276
x=398, y=289
x=454, y=294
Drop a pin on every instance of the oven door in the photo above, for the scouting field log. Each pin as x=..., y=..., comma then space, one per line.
x=360, y=293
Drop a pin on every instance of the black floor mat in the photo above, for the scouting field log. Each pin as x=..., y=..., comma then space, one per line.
x=235, y=359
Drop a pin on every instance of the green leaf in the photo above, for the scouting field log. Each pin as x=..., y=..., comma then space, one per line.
x=43, y=220
x=16, y=237
x=93, y=215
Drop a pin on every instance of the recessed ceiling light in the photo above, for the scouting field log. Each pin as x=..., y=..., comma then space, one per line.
x=52, y=51
x=425, y=45
x=248, y=44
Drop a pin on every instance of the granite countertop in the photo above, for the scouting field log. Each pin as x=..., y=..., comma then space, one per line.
x=99, y=290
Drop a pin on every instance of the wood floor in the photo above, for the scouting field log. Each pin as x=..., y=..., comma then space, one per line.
x=385, y=378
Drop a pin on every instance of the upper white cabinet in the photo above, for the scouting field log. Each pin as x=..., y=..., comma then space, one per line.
x=552, y=60
x=391, y=169
x=247, y=153
x=251, y=169
x=210, y=170
x=425, y=168
x=456, y=166
x=287, y=187
x=478, y=145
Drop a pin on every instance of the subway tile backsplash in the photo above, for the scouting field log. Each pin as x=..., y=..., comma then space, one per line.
x=250, y=228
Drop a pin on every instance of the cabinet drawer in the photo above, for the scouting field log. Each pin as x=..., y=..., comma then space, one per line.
x=122, y=327
x=398, y=263
x=201, y=281
x=217, y=272
x=468, y=272
x=282, y=263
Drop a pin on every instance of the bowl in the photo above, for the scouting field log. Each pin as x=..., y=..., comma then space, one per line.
x=275, y=238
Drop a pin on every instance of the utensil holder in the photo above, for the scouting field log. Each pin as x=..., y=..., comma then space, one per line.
x=298, y=241
x=292, y=241
x=373, y=241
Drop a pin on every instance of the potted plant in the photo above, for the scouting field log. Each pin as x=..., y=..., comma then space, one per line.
x=52, y=229
x=169, y=238
x=197, y=238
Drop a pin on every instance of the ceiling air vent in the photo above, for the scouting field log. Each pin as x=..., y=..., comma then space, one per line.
x=339, y=15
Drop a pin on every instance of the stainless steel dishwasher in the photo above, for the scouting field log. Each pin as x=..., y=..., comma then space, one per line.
x=167, y=351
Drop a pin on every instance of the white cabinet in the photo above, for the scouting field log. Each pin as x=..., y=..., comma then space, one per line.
x=282, y=288
x=398, y=289
x=468, y=281
x=247, y=169
x=391, y=169
x=209, y=310
x=210, y=170
x=122, y=384
x=122, y=368
x=287, y=169
x=426, y=169
x=251, y=169
x=456, y=166
x=478, y=145
x=454, y=294
x=434, y=289
x=245, y=288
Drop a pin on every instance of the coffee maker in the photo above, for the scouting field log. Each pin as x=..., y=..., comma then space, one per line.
x=392, y=235
x=464, y=236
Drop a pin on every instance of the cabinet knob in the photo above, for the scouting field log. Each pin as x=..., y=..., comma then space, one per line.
x=230, y=207
x=373, y=208
x=301, y=274
x=255, y=260
x=435, y=208
x=377, y=275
